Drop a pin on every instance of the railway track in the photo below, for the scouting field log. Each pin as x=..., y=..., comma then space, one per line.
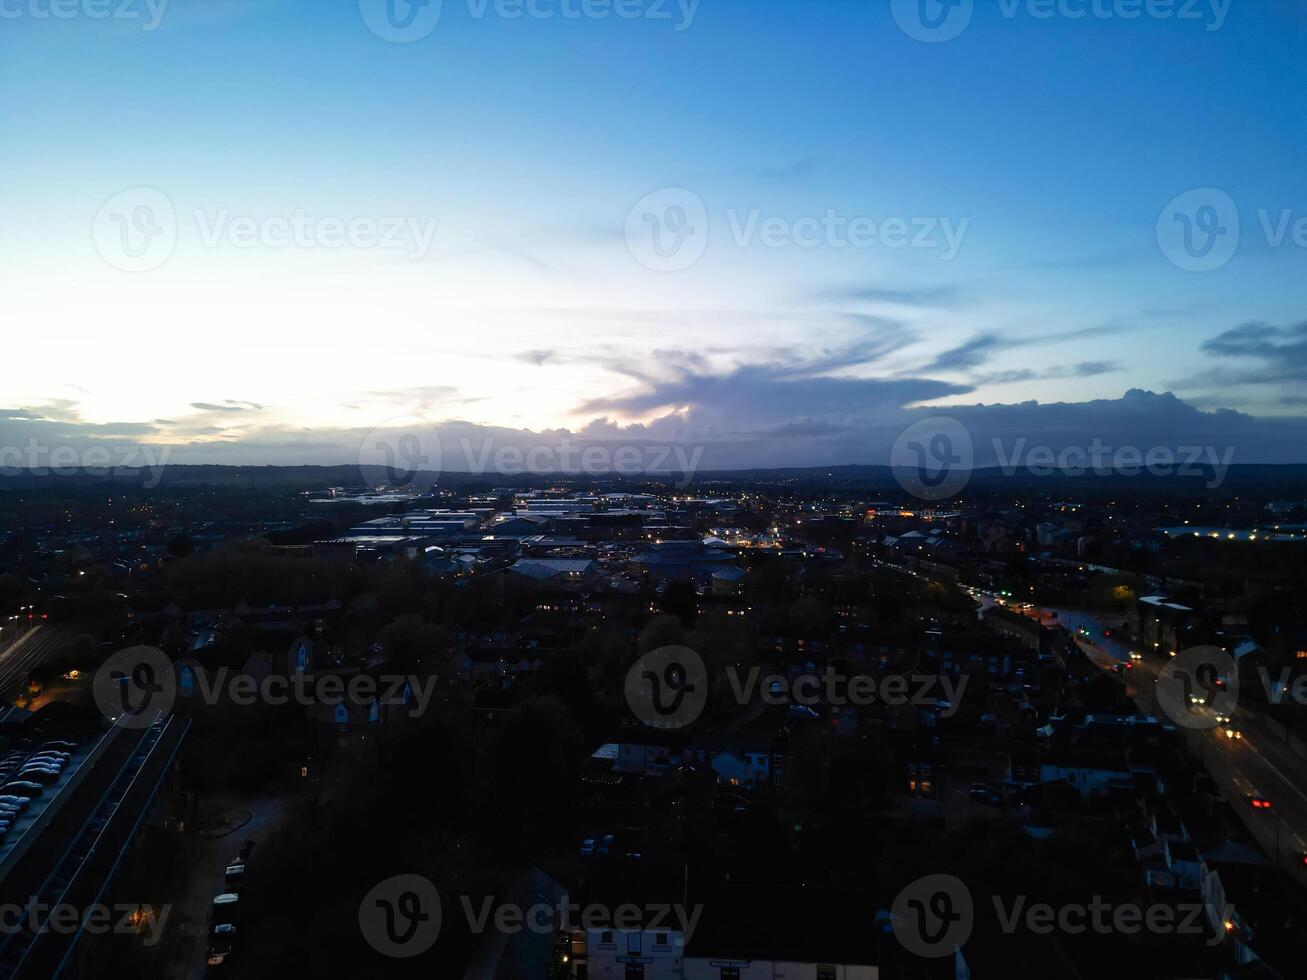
x=27, y=653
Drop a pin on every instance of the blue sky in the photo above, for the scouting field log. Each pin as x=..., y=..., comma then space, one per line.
x=1032, y=159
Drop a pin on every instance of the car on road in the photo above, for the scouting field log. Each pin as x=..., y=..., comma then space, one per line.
x=1258, y=802
x=1231, y=732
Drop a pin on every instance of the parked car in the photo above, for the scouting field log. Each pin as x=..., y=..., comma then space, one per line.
x=225, y=909
x=220, y=951
x=40, y=774
x=23, y=787
x=233, y=876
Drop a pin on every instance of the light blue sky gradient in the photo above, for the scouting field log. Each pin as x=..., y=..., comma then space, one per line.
x=1059, y=142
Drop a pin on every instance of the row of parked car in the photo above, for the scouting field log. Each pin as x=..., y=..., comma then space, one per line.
x=225, y=913
x=27, y=774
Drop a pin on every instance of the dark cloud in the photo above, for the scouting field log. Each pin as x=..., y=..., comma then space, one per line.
x=980, y=348
x=973, y=353
x=228, y=405
x=750, y=418
x=790, y=383
x=537, y=357
x=1282, y=351
x=113, y=428
x=1085, y=369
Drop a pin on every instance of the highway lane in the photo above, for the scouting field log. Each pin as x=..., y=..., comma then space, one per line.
x=1254, y=765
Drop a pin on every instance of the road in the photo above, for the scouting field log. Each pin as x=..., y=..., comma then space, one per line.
x=185, y=949
x=1255, y=765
